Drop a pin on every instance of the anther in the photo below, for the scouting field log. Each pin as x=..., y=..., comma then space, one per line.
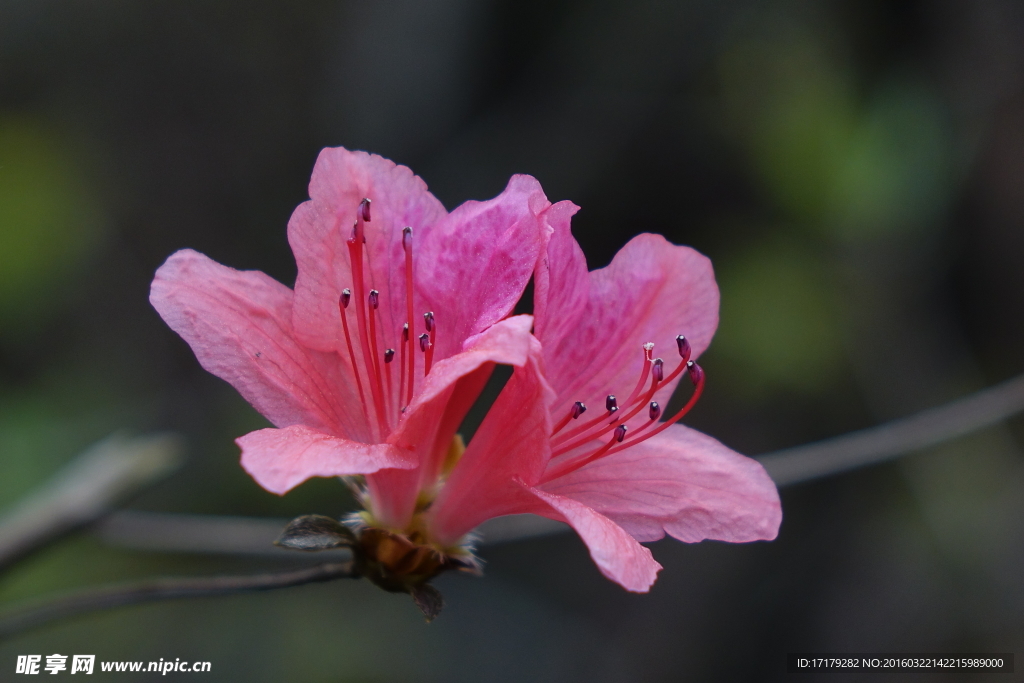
x=364, y=209
x=346, y=297
x=696, y=372
x=374, y=299
x=655, y=412
x=389, y=355
x=620, y=433
x=684, y=348
x=659, y=370
x=424, y=342
x=610, y=404
x=428, y=320
x=578, y=409
x=405, y=333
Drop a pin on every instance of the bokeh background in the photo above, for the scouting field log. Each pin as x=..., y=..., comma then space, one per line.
x=855, y=170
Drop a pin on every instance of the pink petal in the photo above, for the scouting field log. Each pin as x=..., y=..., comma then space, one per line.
x=475, y=264
x=281, y=459
x=561, y=283
x=511, y=444
x=616, y=553
x=319, y=228
x=682, y=482
x=436, y=412
x=238, y=323
x=651, y=292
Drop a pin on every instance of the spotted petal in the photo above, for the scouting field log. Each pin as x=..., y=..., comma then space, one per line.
x=593, y=325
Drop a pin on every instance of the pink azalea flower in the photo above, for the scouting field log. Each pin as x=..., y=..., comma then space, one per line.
x=398, y=316
x=622, y=476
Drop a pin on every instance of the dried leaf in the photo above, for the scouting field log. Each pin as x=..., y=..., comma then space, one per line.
x=315, y=532
x=428, y=599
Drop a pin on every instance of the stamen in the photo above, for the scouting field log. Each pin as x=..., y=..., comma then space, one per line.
x=428, y=352
x=574, y=413
x=401, y=364
x=578, y=409
x=617, y=436
x=648, y=347
x=343, y=301
x=355, y=251
x=697, y=391
x=389, y=355
x=374, y=299
x=684, y=348
x=431, y=325
x=407, y=246
x=695, y=371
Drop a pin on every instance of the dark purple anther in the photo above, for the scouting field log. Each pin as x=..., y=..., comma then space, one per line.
x=578, y=409
x=346, y=296
x=405, y=333
x=696, y=372
x=620, y=433
x=655, y=411
x=424, y=342
x=684, y=347
x=389, y=355
x=364, y=209
x=406, y=237
x=658, y=370
x=610, y=404
x=428, y=320
x=374, y=299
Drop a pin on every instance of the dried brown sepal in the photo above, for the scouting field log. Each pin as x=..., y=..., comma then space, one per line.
x=315, y=532
x=428, y=599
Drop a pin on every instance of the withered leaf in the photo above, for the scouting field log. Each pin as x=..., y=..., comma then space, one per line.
x=428, y=599
x=315, y=532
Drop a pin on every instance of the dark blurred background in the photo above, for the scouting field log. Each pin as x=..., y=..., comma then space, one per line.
x=855, y=170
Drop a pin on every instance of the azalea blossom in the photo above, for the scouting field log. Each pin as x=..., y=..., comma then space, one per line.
x=400, y=312
x=624, y=475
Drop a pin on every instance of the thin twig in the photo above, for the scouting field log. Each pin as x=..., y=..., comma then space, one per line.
x=899, y=437
x=151, y=590
x=89, y=487
x=229, y=535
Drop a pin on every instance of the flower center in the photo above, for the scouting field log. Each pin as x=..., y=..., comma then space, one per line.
x=566, y=443
x=387, y=407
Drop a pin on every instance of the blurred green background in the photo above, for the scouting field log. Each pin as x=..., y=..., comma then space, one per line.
x=855, y=170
